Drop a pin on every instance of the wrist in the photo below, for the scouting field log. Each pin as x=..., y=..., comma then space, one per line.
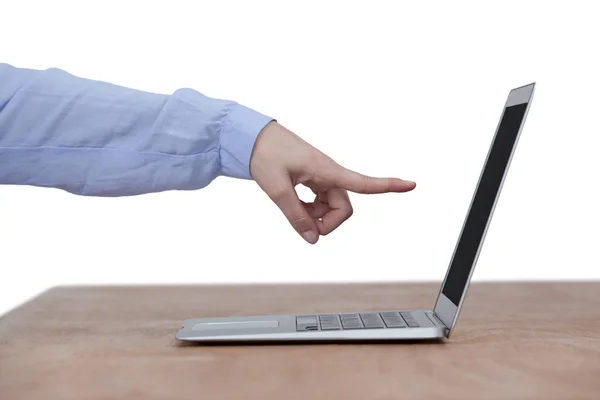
x=239, y=134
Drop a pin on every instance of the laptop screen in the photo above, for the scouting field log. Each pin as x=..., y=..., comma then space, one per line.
x=483, y=202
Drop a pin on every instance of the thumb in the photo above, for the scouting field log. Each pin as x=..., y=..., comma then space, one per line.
x=293, y=209
x=359, y=183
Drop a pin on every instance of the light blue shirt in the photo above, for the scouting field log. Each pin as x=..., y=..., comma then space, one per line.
x=98, y=139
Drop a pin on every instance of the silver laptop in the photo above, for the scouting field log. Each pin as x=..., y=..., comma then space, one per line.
x=399, y=324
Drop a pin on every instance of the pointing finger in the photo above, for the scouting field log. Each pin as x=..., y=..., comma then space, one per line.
x=359, y=183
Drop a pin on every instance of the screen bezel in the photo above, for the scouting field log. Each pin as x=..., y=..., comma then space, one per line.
x=445, y=309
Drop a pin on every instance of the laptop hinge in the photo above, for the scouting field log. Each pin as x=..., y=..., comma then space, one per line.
x=436, y=320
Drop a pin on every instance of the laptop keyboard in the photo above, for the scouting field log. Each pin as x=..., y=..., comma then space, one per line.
x=372, y=320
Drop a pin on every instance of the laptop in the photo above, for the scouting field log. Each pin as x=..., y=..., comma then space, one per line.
x=398, y=324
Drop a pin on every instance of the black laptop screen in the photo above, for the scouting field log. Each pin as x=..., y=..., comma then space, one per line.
x=483, y=202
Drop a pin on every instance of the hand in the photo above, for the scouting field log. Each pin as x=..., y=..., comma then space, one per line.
x=281, y=160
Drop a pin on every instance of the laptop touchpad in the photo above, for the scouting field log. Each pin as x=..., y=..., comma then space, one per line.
x=209, y=326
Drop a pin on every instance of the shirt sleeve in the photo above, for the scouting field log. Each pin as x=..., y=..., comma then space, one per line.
x=98, y=139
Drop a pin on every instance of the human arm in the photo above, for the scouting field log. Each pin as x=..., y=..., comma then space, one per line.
x=95, y=138
x=98, y=139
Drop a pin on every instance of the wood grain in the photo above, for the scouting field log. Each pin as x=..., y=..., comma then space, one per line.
x=513, y=341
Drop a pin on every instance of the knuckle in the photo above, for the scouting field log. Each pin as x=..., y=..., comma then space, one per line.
x=298, y=221
x=277, y=193
x=349, y=211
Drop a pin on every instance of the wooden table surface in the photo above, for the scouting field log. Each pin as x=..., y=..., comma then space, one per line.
x=513, y=341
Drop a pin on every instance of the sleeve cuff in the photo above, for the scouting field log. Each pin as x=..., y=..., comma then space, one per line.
x=241, y=127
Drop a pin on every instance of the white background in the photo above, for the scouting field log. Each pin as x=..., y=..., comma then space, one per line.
x=410, y=89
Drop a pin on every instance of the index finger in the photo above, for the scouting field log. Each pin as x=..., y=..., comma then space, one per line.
x=359, y=183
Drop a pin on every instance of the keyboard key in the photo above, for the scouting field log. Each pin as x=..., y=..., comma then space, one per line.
x=329, y=322
x=306, y=323
x=393, y=320
x=371, y=320
x=351, y=321
x=410, y=320
x=352, y=324
x=395, y=323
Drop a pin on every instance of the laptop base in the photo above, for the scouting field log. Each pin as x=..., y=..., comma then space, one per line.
x=372, y=326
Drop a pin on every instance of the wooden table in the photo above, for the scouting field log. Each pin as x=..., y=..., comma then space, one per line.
x=513, y=341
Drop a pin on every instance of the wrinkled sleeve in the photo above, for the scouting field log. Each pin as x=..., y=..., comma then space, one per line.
x=98, y=139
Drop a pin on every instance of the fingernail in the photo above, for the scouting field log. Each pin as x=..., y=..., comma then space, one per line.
x=310, y=236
